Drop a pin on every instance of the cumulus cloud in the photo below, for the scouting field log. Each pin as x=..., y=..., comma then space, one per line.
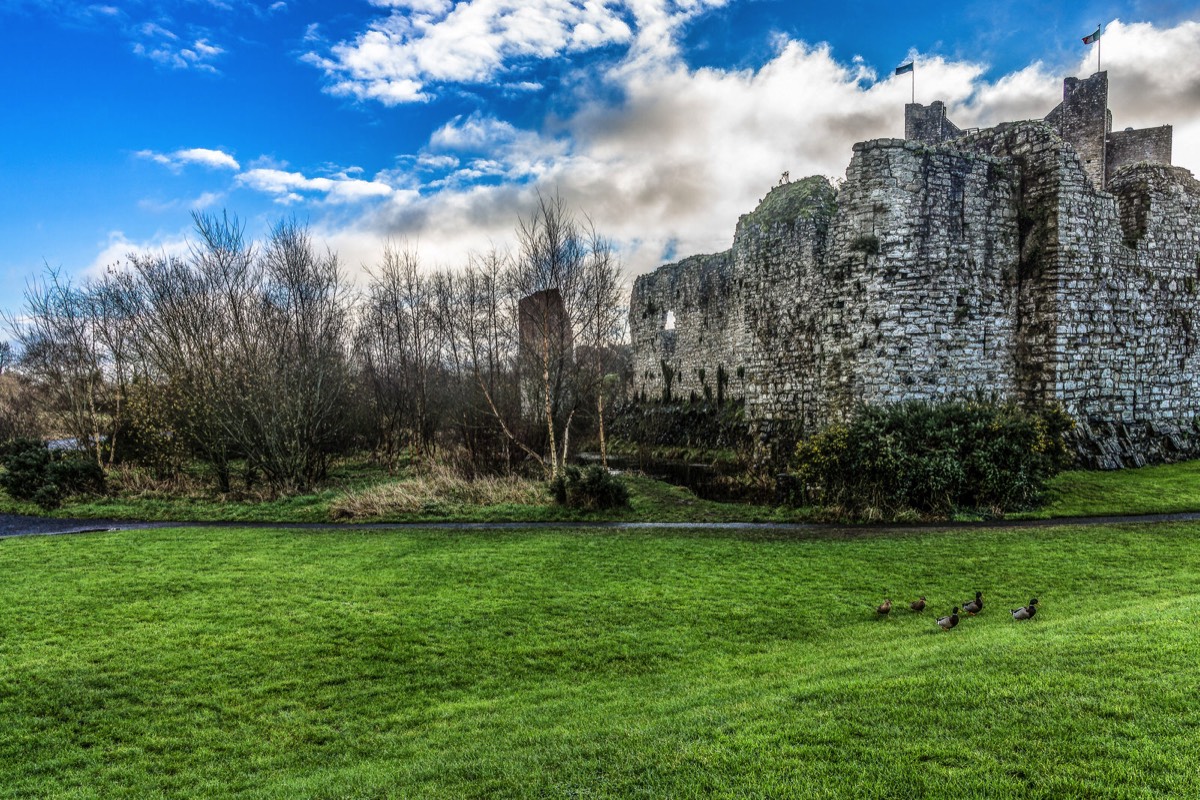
x=290, y=187
x=424, y=43
x=216, y=159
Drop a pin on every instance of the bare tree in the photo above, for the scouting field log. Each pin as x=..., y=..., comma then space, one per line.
x=301, y=385
x=66, y=346
x=245, y=349
x=399, y=344
x=602, y=327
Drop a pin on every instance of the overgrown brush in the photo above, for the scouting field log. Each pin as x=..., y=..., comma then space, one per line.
x=591, y=489
x=933, y=458
x=441, y=490
x=33, y=472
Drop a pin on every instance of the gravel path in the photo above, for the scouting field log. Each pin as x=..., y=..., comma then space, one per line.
x=15, y=525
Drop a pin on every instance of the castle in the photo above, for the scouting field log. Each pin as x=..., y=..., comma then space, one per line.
x=1052, y=261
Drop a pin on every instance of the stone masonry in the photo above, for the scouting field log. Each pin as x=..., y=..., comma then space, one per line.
x=1048, y=261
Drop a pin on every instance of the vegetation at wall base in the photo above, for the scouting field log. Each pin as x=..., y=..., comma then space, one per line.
x=704, y=424
x=258, y=663
x=933, y=458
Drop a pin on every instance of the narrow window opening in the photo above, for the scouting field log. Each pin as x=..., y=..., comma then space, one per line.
x=669, y=325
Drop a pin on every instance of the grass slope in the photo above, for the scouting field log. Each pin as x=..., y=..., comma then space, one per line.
x=1161, y=489
x=265, y=664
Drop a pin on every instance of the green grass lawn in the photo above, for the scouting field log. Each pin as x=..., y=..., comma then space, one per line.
x=1148, y=490
x=419, y=664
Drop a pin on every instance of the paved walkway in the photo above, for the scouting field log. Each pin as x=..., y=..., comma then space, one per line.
x=16, y=525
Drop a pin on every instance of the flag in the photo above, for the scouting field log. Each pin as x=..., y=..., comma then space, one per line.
x=903, y=68
x=1094, y=37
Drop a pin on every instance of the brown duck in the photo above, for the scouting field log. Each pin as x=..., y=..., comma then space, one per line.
x=973, y=607
x=884, y=608
x=946, y=623
x=1025, y=612
x=918, y=605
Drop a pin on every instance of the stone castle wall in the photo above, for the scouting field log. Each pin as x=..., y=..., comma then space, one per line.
x=989, y=264
x=693, y=294
x=1130, y=147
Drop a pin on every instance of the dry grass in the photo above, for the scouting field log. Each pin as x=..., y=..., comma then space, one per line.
x=440, y=490
x=131, y=481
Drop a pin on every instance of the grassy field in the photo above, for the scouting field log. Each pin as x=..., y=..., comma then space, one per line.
x=562, y=664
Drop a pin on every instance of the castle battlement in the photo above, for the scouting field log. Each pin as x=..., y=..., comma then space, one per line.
x=1082, y=118
x=945, y=265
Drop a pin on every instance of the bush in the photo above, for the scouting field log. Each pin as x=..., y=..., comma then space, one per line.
x=934, y=458
x=34, y=473
x=591, y=489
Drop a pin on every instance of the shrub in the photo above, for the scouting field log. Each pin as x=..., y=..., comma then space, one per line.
x=32, y=472
x=934, y=458
x=590, y=489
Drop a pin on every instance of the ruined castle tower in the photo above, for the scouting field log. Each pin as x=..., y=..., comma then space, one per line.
x=1047, y=261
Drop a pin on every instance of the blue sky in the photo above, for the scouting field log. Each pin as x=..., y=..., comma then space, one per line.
x=433, y=122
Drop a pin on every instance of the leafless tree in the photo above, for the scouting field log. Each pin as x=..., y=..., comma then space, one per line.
x=296, y=400
x=69, y=344
x=399, y=345
x=244, y=350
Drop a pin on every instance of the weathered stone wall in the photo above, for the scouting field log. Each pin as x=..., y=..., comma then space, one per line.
x=1130, y=324
x=911, y=293
x=1084, y=121
x=989, y=264
x=929, y=123
x=695, y=295
x=1129, y=147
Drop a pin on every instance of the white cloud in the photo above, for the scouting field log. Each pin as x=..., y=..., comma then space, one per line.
x=211, y=158
x=424, y=43
x=117, y=247
x=165, y=47
x=215, y=159
x=206, y=200
x=287, y=187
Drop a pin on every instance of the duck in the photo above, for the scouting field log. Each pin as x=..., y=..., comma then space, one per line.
x=917, y=605
x=1025, y=612
x=946, y=623
x=973, y=607
x=884, y=608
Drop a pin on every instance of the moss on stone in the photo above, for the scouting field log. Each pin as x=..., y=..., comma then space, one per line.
x=788, y=202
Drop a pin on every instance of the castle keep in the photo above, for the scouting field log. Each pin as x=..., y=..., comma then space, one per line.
x=1048, y=261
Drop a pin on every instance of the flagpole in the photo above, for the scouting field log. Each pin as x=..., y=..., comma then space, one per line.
x=914, y=84
x=1101, y=28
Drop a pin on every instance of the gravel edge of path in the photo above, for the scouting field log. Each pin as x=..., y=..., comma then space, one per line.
x=13, y=525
